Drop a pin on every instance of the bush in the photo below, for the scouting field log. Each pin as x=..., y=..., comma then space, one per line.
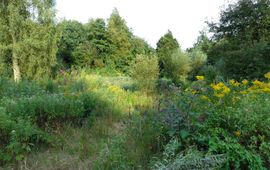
x=198, y=60
x=179, y=67
x=17, y=137
x=211, y=73
x=145, y=72
x=30, y=114
x=224, y=118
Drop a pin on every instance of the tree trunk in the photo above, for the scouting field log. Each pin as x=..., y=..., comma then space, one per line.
x=15, y=62
x=16, y=68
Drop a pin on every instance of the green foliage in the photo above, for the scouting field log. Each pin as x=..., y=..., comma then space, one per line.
x=96, y=31
x=145, y=72
x=165, y=47
x=203, y=43
x=140, y=46
x=72, y=35
x=17, y=137
x=211, y=73
x=190, y=159
x=30, y=114
x=143, y=137
x=234, y=126
x=198, y=60
x=179, y=66
x=38, y=51
x=244, y=21
x=83, y=55
x=241, y=39
x=249, y=118
x=42, y=110
x=120, y=38
x=30, y=36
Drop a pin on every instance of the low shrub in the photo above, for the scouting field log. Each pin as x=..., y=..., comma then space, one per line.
x=18, y=137
x=145, y=72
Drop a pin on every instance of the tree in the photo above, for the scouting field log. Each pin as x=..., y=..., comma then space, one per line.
x=246, y=20
x=140, y=46
x=166, y=45
x=203, y=43
x=72, y=35
x=241, y=39
x=83, y=55
x=96, y=31
x=120, y=38
x=28, y=33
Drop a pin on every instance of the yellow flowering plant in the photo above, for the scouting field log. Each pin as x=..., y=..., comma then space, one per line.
x=267, y=75
x=200, y=78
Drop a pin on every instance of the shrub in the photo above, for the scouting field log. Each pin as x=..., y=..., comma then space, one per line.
x=50, y=108
x=145, y=71
x=198, y=60
x=18, y=137
x=227, y=118
x=211, y=73
x=179, y=67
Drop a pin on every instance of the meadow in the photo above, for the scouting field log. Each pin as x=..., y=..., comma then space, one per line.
x=96, y=96
x=84, y=120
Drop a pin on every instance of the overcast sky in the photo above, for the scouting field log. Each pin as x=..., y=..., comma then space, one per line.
x=149, y=19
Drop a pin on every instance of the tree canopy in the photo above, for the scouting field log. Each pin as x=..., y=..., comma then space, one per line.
x=28, y=37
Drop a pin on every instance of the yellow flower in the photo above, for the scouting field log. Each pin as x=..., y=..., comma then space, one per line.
x=218, y=86
x=258, y=83
x=200, y=78
x=266, y=90
x=245, y=82
x=226, y=89
x=234, y=83
x=267, y=75
x=220, y=89
x=215, y=87
x=237, y=133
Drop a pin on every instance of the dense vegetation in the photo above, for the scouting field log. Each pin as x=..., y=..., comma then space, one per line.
x=95, y=96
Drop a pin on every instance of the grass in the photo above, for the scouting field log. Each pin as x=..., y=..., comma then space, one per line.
x=111, y=102
x=89, y=121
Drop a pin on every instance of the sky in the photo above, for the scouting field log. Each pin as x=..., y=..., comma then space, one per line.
x=149, y=19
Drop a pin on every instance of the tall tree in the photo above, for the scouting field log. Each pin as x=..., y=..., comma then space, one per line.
x=245, y=20
x=140, y=47
x=242, y=39
x=96, y=31
x=166, y=46
x=28, y=32
x=120, y=38
x=72, y=35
